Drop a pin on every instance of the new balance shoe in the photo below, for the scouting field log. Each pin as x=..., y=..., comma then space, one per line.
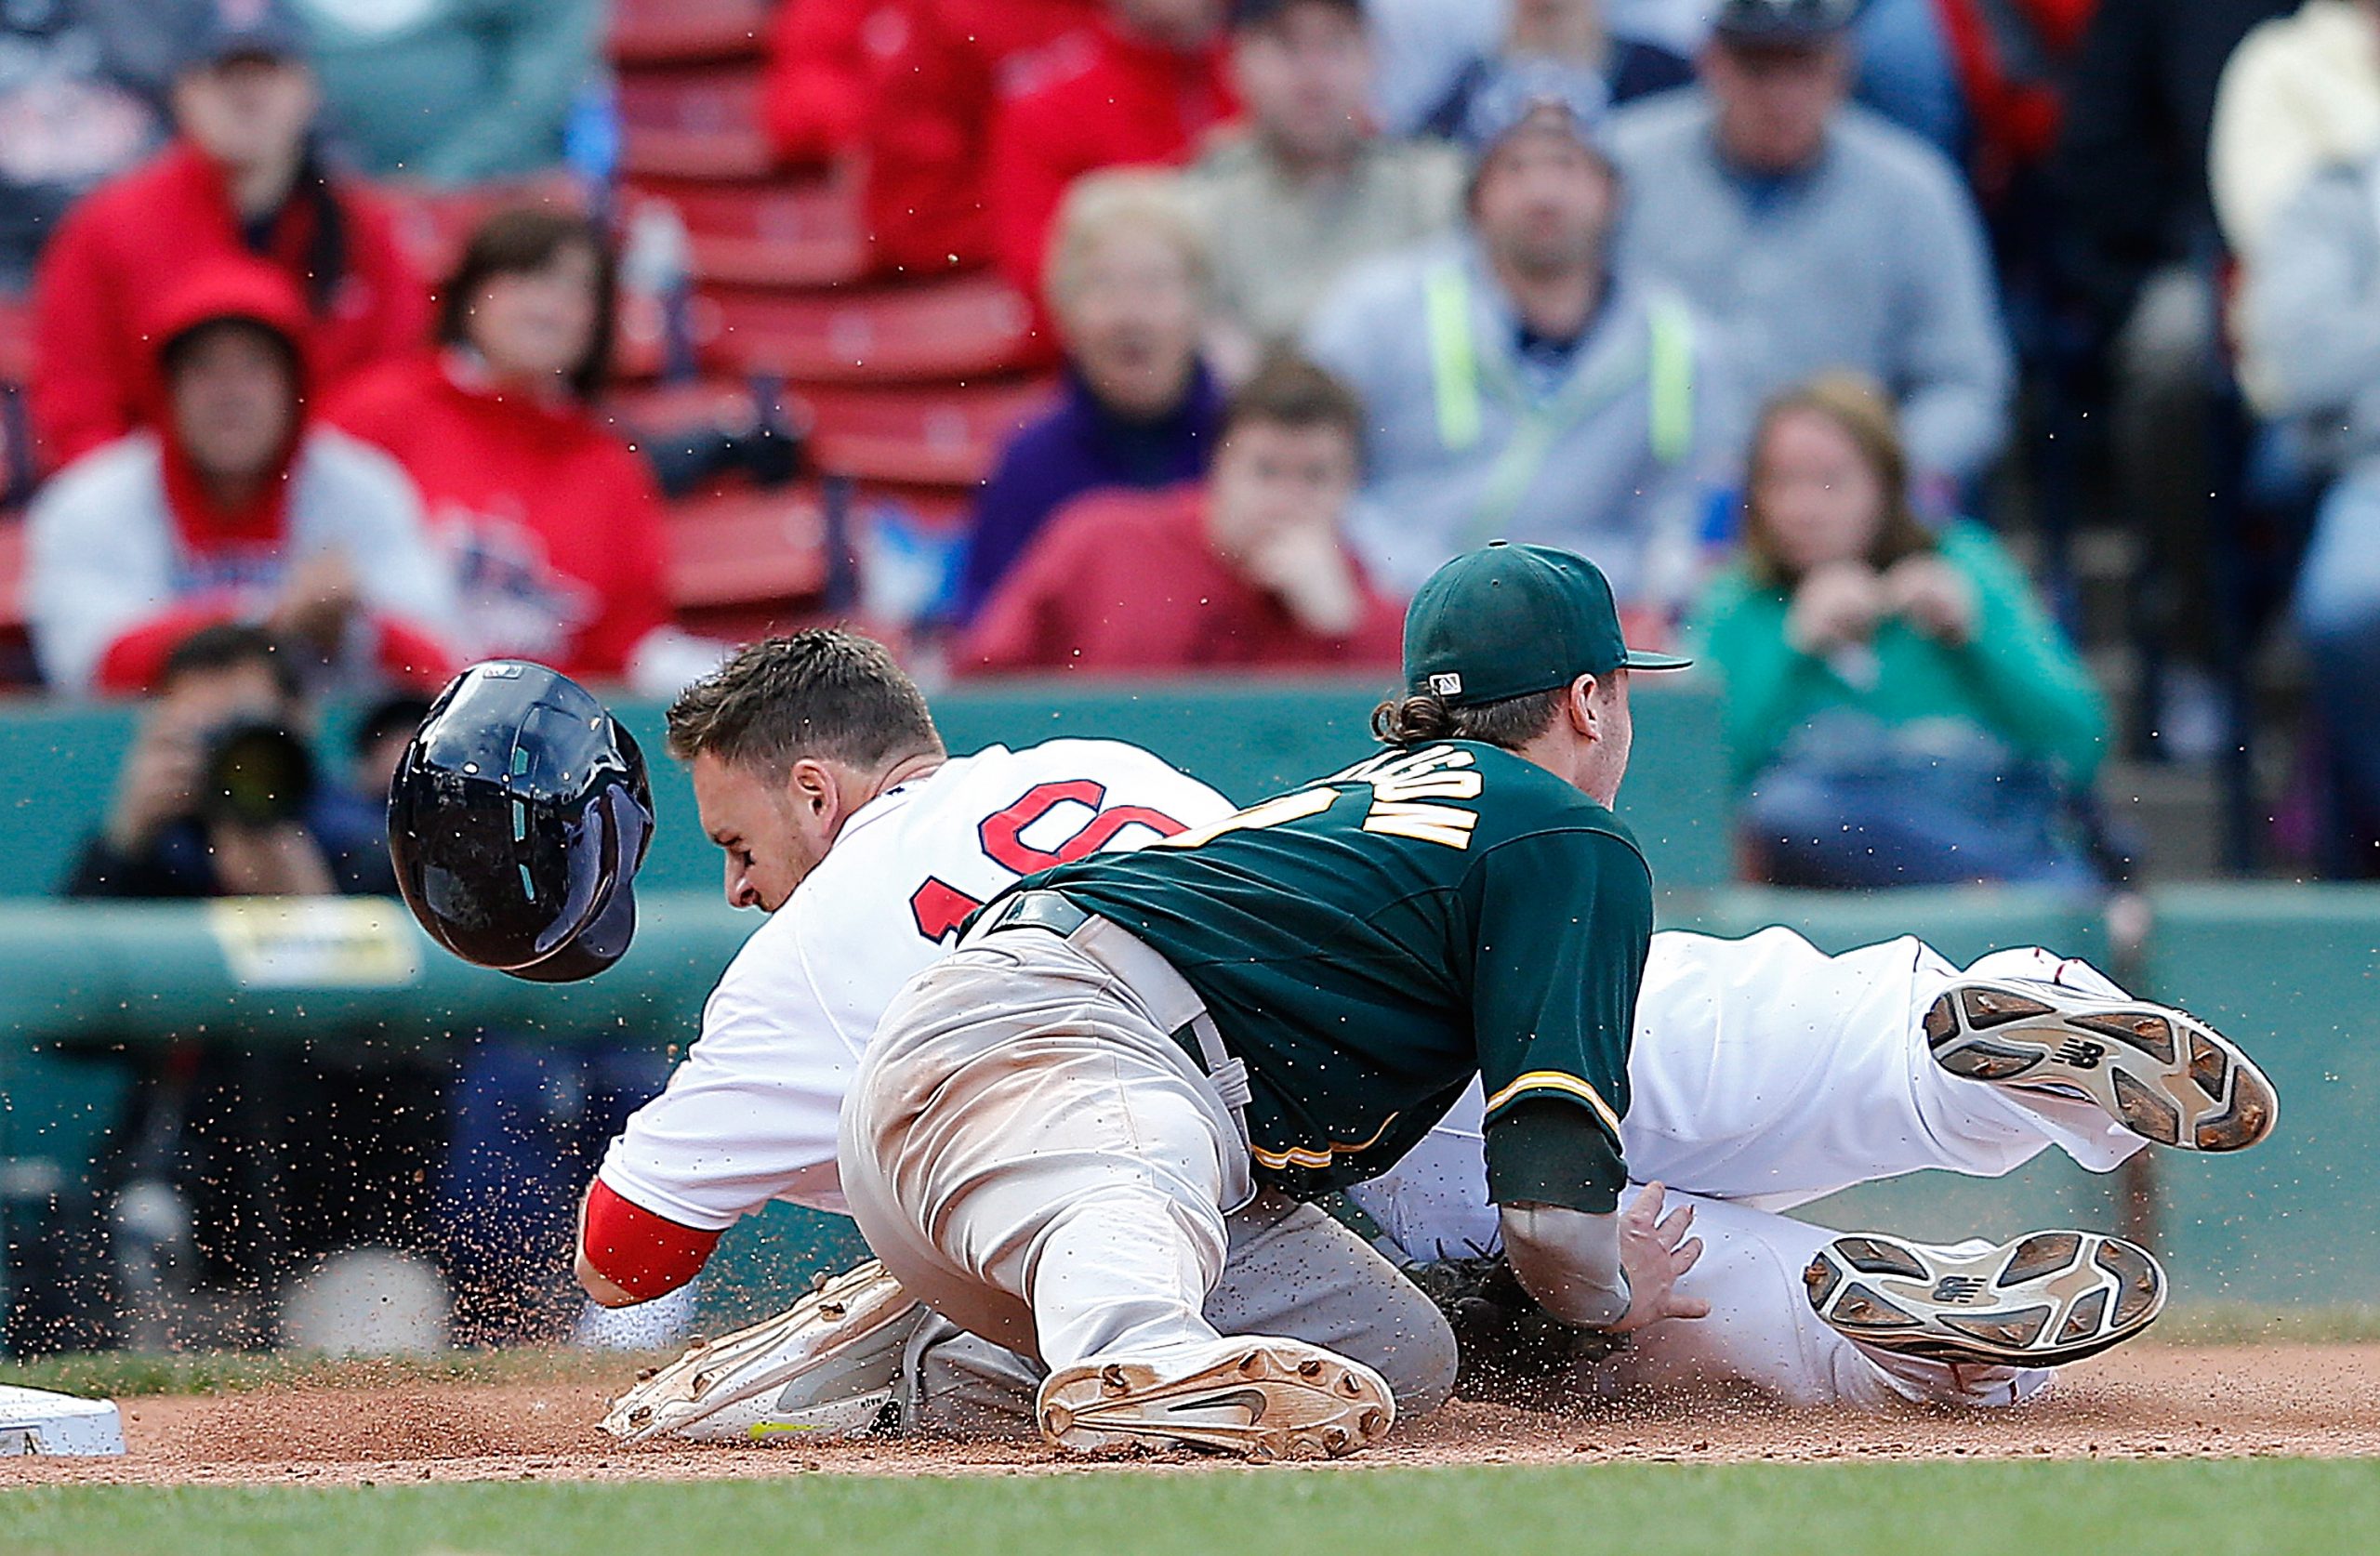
x=1259, y=1398
x=2161, y=1073
x=2040, y=1301
x=829, y=1365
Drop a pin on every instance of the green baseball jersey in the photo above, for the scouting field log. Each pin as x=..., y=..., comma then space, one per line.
x=1369, y=942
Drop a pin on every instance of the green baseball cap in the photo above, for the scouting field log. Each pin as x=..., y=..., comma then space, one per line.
x=1508, y=620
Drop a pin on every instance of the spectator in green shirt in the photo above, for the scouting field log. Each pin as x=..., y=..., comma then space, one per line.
x=1900, y=709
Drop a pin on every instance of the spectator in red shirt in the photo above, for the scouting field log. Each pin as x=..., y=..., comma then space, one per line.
x=241, y=178
x=1154, y=80
x=554, y=524
x=237, y=508
x=1252, y=570
x=826, y=60
x=929, y=124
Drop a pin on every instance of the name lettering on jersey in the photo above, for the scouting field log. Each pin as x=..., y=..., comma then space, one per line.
x=1406, y=785
x=1273, y=812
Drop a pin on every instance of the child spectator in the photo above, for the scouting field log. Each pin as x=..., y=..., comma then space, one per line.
x=234, y=508
x=1900, y=706
x=1310, y=190
x=1515, y=384
x=241, y=178
x=82, y=99
x=1154, y=80
x=928, y=124
x=1251, y=571
x=1128, y=283
x=1568, y=36
x=452, y=92
x=554, y=525
x=1816, y=236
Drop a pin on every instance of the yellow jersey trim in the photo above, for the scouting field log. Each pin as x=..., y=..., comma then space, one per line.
x=1554, y=1080
x=1304, y=1156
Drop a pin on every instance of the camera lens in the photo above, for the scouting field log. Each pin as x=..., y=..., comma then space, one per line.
x=257, y=774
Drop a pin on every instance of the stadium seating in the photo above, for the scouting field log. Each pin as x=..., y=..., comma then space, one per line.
x=686, y=31
x=963, y=327
x=793, y=232
x=693, y=122
x=936, y=435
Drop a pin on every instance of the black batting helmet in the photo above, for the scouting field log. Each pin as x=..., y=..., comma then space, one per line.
x=517, y=821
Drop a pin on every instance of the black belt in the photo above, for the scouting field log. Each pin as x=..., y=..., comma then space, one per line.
x=1042, y=907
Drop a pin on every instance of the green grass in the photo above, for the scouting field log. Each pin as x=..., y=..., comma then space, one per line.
x=2205, y=1508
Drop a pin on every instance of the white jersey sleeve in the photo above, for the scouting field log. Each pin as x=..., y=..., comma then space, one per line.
x=749, y=1116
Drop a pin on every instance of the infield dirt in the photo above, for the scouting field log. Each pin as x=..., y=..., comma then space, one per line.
x=2146, y=1401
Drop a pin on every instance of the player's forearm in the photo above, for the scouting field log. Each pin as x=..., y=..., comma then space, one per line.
x=1569, y=1261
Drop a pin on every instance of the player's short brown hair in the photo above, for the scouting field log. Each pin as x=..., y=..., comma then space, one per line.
x=824, y=692
x=1509, y=725
x=1288, y=390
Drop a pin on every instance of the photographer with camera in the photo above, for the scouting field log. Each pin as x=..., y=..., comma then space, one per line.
x=234, y=1172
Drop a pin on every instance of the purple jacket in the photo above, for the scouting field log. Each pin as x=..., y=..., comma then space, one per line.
x=1080, y=447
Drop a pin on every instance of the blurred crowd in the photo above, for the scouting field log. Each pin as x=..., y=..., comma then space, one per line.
x=1981, y=389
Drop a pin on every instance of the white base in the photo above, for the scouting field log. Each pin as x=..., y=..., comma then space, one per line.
x=34, y=1421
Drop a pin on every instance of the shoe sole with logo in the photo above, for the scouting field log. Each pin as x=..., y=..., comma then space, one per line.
x=846, y=1334
x=2040, y=1301
x=2161, y=1073
x=1259, y=1399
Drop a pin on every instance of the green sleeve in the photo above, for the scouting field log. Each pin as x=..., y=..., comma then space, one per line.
x=2024, y=675
x=1739, y=632
x=1561, y=923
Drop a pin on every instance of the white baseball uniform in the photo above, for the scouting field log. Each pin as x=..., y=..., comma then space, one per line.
x=749, y=1116
x=1764, y=1073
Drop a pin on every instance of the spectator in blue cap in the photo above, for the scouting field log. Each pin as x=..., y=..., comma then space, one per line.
x=1517, y=383
x=1816, y=236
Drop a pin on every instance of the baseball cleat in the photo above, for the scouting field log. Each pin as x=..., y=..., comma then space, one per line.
x=2040, y=1301
x=1261, y=1399
x=2161, y=1073
x=828, y=1365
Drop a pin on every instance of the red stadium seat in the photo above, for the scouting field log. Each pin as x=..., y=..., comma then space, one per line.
x=746, y=548
x=943, y=435
x=965, y=327
x=693, y=122
x=12, y=574
x=679, y=31
x=15, y=339
x=807, y=231
x=434, y=224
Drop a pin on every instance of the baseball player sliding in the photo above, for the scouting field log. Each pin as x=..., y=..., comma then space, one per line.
x=1083, y=1137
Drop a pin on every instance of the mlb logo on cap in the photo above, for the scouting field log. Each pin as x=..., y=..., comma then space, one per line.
x=1445, y=686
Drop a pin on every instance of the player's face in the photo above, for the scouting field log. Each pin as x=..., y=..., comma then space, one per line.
x=1775, y=104
x=1306, y=79
x=1271, y=480
x=1606, y=762
x=1545, y=202
x=1818, y=496
x=771, y=838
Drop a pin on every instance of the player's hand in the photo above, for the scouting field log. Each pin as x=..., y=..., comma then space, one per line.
x=1655, y=1253
x=1932, y=595
x=1836, y=604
